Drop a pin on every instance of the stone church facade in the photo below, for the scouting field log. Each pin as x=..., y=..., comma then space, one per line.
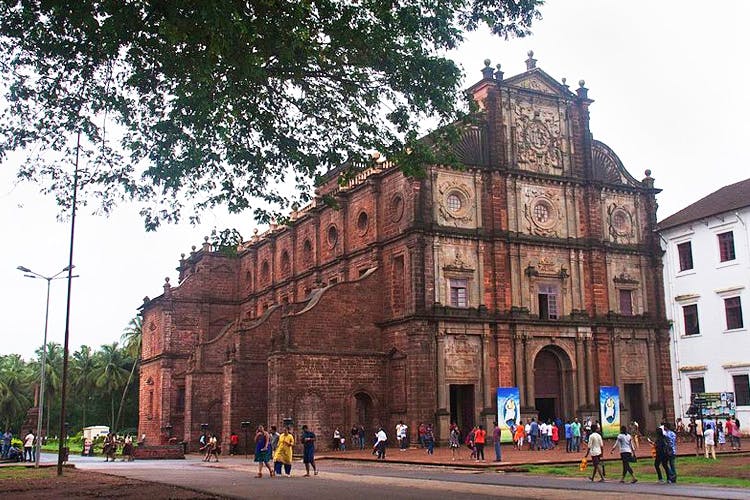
x=535, y=266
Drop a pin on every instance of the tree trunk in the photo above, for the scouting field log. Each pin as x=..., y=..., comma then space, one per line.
x=125, y=392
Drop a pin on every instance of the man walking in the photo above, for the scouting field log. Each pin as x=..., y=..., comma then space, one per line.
x=308, y=452
x=28, y=447
x=380, y=440
x=568, y=437
x=496, y=432
x=534, y=433
x=671, y=438
x=576, y=430
x=595, y=446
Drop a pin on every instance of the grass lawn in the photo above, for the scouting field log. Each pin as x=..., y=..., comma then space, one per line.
x=26, y=473
x=726, y=471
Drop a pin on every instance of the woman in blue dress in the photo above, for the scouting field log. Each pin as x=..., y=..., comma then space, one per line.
x=263, y=451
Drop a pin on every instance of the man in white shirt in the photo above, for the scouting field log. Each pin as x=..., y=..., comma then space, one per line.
x=380, y=440
x=28, y=447
x=401, y=429
x=594, y=448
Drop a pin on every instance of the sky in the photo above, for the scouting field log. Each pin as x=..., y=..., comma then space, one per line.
x=667, y=79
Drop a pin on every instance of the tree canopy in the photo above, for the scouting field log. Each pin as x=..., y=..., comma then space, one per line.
x=217, y=102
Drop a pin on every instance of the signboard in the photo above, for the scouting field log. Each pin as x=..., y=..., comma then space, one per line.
x=712, y=404
x=609, y=410
x=508, y=411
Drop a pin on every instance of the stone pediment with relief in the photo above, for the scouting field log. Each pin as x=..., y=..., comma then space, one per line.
x=533, y=82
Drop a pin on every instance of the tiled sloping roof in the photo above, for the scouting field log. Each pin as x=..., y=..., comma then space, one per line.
x=726, y=199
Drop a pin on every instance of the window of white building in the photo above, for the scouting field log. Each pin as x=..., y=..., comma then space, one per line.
x=685, y=252
x=741, y=389
x=726, y=246
x=733, y=313
x=690, y=316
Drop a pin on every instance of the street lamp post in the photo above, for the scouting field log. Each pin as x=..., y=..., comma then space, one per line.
x=28, y=273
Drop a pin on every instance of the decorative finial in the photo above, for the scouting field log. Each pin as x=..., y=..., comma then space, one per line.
x=166, y=280
x=487, y=70
x=498, y=72
x=582, y=91
x=530, y=62
x=648, y=172
x=255, y=231
x=192, y=248
x=146, y=299
x=182, y=256
x=205, y=238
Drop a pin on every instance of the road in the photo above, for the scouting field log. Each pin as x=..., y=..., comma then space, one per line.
x=234, y=477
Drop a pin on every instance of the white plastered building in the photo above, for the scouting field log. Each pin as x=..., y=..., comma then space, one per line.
x=707, y=292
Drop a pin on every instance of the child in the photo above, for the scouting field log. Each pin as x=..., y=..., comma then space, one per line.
x=722, y=438
x=342, y=446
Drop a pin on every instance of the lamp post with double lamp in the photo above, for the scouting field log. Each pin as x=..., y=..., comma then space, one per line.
x=28, y=273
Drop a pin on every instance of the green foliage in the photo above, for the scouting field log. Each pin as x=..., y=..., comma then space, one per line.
x=98, y=381
x=220, y=102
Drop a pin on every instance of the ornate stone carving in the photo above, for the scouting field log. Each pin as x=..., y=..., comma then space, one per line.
x=621, y=226
x=542, y=212
x=538, y=135
x=462, y=358
x=458, y=264
x=455, y=201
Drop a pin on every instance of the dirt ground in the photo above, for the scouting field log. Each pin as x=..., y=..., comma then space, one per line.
x=45, y=484
x=737, y=467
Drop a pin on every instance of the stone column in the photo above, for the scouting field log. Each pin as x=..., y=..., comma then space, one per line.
x=529, y=369
x=653, y=377
x=443, y=411
x=518, y=367
x=616, y=365
x=590, y=371
x=486, y=380
x=580, y=372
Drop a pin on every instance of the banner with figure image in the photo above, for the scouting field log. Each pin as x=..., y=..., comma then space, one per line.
x=609, y=410
x=508, y=411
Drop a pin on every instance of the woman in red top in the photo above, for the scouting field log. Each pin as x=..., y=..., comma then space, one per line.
x=555, y=435
x=479, y=438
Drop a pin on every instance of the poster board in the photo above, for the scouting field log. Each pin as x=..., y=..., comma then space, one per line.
x=508, y=411
x=713, y=404
x=609, y=410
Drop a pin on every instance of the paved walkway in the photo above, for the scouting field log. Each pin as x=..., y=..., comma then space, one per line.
x=511, y=457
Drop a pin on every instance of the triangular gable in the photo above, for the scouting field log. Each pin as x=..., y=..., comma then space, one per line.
x=539, y=81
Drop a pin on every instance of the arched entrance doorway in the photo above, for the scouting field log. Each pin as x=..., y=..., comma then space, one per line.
x=552, y=386
x=362, y=412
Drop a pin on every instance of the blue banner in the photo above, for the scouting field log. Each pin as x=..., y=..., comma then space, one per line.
x=508, y=411
x=609, y=409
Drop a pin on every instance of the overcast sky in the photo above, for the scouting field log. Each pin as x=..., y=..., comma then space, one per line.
x=667, y=79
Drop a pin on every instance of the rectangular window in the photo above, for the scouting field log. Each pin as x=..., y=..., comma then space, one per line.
x=733, y=310
x=180, y=403
x=741, y=390
x=548, y=302
x=398, y=282
x=690, y=314
x=626, y=302
x=685, y=251
x=458, y=290
x=726, y=246
x=697, y=385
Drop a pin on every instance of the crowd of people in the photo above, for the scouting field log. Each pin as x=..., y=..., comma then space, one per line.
x=16, y=454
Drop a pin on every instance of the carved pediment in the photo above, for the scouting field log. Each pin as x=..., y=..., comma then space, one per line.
x=538, y=80
x=608, y=167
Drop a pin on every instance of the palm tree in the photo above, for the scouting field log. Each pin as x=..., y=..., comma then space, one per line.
x=82, y=376
x=109, y=374
x=15, y=386
x=131, y=339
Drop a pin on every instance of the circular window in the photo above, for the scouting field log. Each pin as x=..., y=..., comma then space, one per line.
x=333, y=236
x=543, y=214
x=397, y=208
x=362, y=222
x=454, y=203
x=621, y=221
